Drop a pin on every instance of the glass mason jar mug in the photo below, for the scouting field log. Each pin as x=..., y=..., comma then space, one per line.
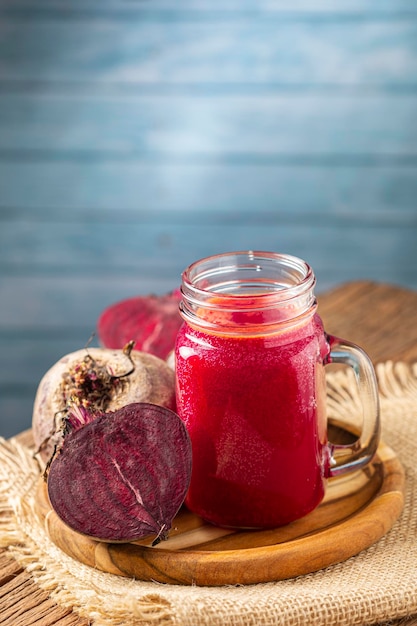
x=250, y=385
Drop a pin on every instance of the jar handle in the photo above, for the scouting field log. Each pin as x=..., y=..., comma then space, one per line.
x=361, y=451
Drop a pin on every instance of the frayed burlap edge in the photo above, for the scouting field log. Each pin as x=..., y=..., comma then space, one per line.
x=378, y=585
x=104, y=599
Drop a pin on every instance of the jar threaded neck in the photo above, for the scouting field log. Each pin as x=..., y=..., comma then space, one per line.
x=247, y=289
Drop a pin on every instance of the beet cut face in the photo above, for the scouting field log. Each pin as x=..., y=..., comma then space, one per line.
x=124, y=475
x=152, y=322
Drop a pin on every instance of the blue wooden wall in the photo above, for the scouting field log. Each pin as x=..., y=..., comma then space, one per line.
x=139, y=135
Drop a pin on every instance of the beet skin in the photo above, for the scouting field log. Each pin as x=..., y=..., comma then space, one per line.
x=152, y=322
x=124, y=475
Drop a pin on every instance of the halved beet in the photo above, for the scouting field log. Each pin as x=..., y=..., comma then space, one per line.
x=123, y=475
x=152, y=322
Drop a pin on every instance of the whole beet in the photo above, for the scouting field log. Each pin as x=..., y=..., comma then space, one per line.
x=152, y=321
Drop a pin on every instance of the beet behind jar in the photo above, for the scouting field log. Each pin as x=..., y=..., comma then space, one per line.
x=250, y=386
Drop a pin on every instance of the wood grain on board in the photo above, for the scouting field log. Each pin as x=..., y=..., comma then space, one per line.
x=362, y=506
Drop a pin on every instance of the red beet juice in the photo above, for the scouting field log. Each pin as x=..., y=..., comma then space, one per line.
x=254, y=406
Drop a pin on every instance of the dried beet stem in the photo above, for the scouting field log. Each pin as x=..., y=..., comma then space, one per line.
x=99, y=379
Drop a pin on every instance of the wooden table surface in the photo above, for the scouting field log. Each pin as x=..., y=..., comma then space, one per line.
x=380, y=318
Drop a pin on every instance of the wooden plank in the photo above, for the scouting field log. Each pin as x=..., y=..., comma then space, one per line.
x=101, y=127
x=39, y=303
x=24, y=364
x=23, y=603
x=56, y=304
x=330, y=187
x=208, y=7
x=44, y=302
x=268, y=50
x=339, y=217
x=73, y=299
x=162, y=250
x=29, y=358
x=380, y=318
x=16, y=406
x=15, y=585
x=9, y=568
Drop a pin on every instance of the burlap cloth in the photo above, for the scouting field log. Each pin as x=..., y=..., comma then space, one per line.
x=377, y=586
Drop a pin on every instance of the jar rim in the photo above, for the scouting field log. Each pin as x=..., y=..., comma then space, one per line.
x=265, y=288
x=255, y=275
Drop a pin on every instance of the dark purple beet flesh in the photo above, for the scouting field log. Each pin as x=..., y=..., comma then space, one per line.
x=152, y=322
x=124, y=475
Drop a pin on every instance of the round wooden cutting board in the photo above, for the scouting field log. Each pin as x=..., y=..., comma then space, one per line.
x=359, y=508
